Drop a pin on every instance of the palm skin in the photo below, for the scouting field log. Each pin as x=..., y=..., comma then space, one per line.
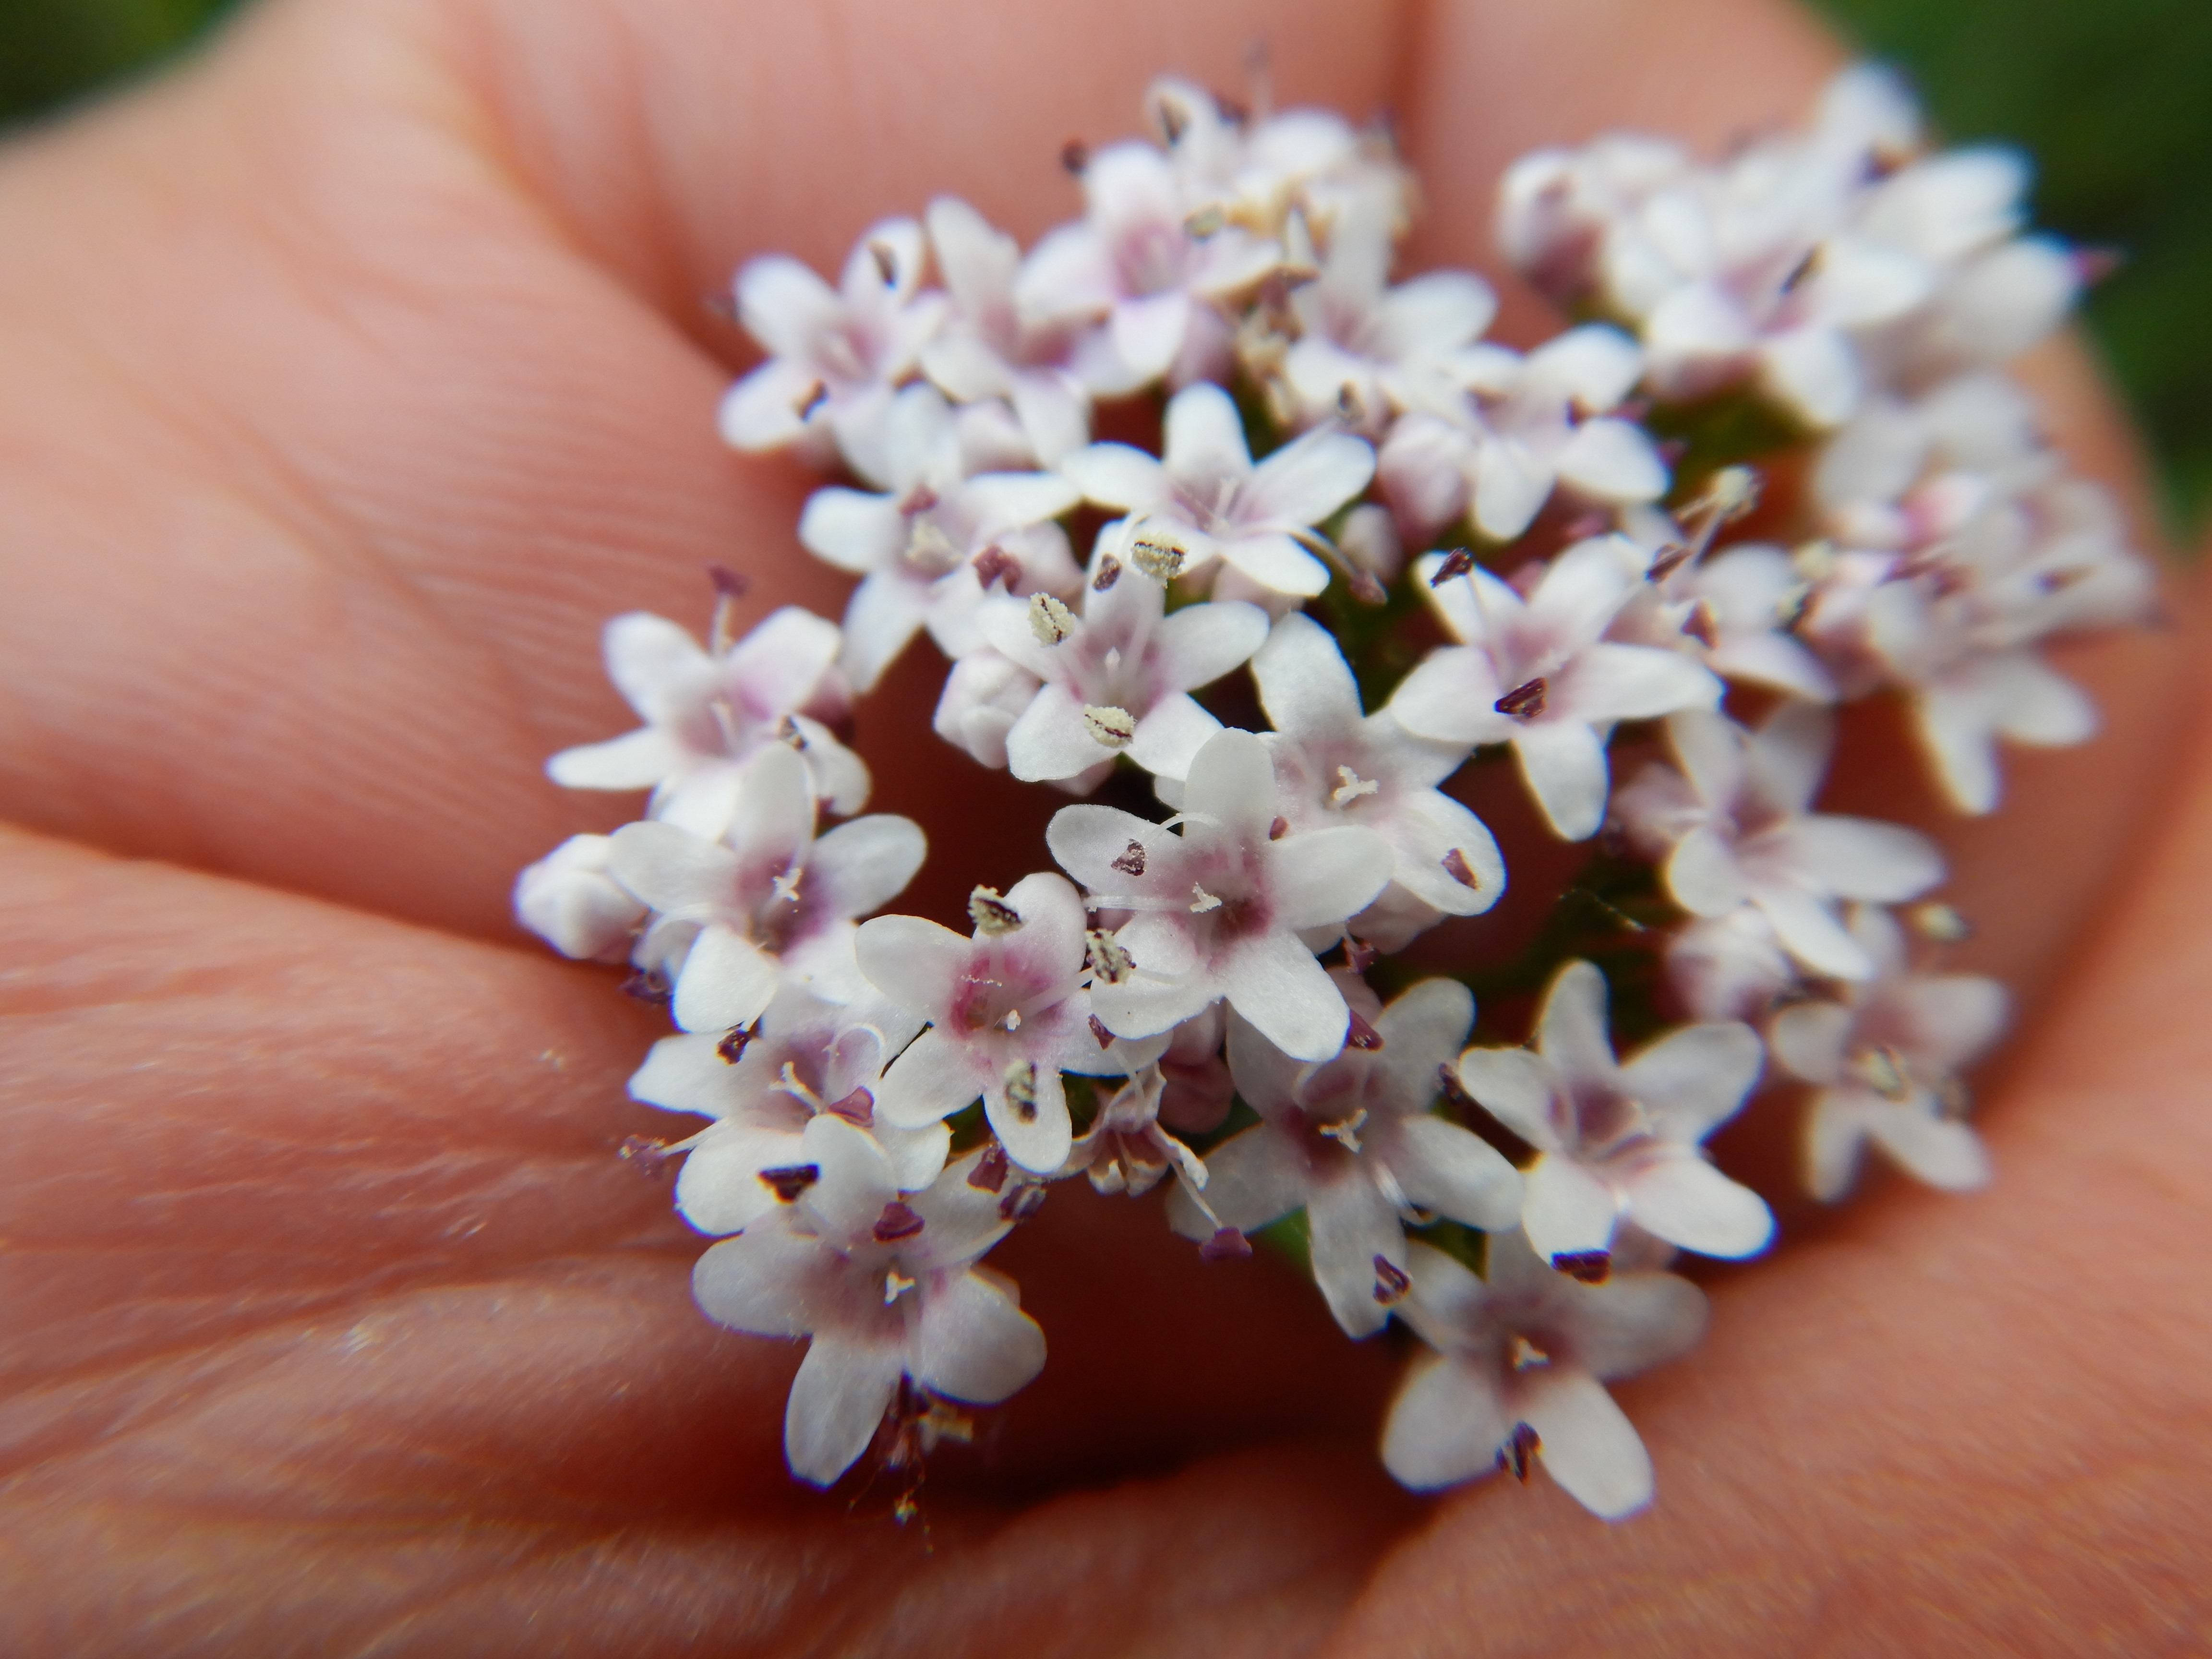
x=354, y=377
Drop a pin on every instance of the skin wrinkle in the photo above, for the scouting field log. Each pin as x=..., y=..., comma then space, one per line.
x=1862, y=1528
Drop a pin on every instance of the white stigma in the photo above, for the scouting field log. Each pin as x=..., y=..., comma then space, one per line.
x=1201, y=901
x=1350, y=786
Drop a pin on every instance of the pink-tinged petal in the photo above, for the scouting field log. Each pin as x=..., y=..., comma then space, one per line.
x=1477, y=607
x=1693, y=1080
x=1422, y=1029
x=1613, y=461
x=936, y=1077
x=854, y=1182
x=1610, y=681
x=719, y=1190
x=1774, y=661
x=1277, y=562
x=1085, y=840
x=1008, y=500
x=1308, y=478
x=976, y=260
x=1052, y=739
x=1813, y=373
x=1069, y=273
x=1256, y=1176
x=1305, y=685
x=1955, y=734
x=782, y=304
x=1696, y=321
x=1862, y=858
x=1515, y=1087
x=881, y=619
x=1456, y=1173
x=917, y=1156
x=1512, y=484
x=1563, y=763
x=1349, y=1226
x=898, y=242
x=636, y=760
x=672, y=870
x=1197, y=644
x=1788, y=755
x=1233, y=784
x=1054, y=414
x=1941, y=1152
x=1632, y=1321
x=1038, y=1139
x=1264, y=1076
x=1446, y=1425
x=1596, y=365
x=2012, y=297
x=915, y=964
x=569, y=899
x=1144, y=1008
x=770, y=1282
x=1809, y=930
x=2037, y=705
x=779, y=664
x=1807, y=1040
x=862, y=865
x=838, y=1399
x=1275, y=983
x=1566, y=1210
x=1583, y=589
x=1422, y=468
x=1148, y=332
x=852, y=530
x=1324, y=876
x=727, y=980
x=1587, y=1443
x=1203, y=441
x=1118, y=476
x=1835, y=1138
x=840, y=777
x=1955, y=1016
x=1168, y=737
x=975, y=1344
x=1434, y=312
x=1571, y=1032
x=762, y=412
x=1688, y=1202
x=685, y=1074
x=1425, y=831
x=1450, y=1307
x=655, y=664
x=1050, y=941
x=774, y=816
x=1230, y=261
x=1451, y=697
x=1702, y=875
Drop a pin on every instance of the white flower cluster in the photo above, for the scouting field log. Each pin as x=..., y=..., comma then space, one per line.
x=888, y=1098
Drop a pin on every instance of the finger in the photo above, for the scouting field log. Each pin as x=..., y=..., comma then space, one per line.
x=1981, y=1414
x=353, y=385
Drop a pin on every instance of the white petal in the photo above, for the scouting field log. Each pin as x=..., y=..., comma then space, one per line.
x=862, y=865
x=1588, y=1444
x=975, y=1344
x=1515, y=1087
x=1084, y=840
x=727, y=980
x=1614, y=461
x=1349, y=1224
x=1688, y=1202
x=1812, y=372
x=1233, y=782
x=1197, y=644
x=1118, y=476
x=1039, y=1140
x=1446, y=1425
x=1807, y=1039
x=1511, y=485
x=770, y=1282
x=852, y=530
x=1693, y=1080
x=936, y=1077
x=1610, y=681
x=636, y=760
x=1169, y=738
x=670, y=869
x=1563, y=763
x=881, y=619
x=1277, y=562
x=1325, y=876
x=1052, y=739
x=1204, y=438
x=1451, y=696
x=1702, y=875
x=1457, y=1174
x=1862, y=859
x=1274, y=982
x=719, y=1190
x=1810, y=933
x=837, y=1399
x=1564, y=1209
x=1305, y=685
x=1255, y=1176
x=1308, y=478
x=1424, y=831
x=1939, y=1151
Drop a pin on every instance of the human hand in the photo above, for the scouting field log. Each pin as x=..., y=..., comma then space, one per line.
x=355, y=375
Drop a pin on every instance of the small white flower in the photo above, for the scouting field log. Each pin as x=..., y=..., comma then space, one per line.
x=764, y=1087
x=768, y=898
x=1353, y=1143
x=1220, y=906
x=1538, y=674
x=984, y=694
x=1620, y=1142
x=1733, y=828
x=1519, y=1371
x=886, y=1287
x=568, y=899
x=1123, y=653
x=1007, y=1014
x=1206, y=494
x=1138, y=267
x=1729, y=966
x=1336, y=765
x=834, y=356
x=929, y=546
x=706, y=714
x=1125, y=1149
x=1886, y=1057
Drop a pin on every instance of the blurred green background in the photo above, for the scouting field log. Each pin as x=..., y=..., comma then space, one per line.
x=2113, y=97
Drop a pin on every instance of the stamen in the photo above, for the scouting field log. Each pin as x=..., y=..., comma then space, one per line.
x=1457, y=868
x=1884, y=1069
x=1132, y=861
x=787, y=1181
x=1075, y=156
x=1346, y=1131
x=1278, y=829
x=732, y=1048
x=1350, y=787
x=1110, y=960
x=1524, y=701
x=1519, y=1451
x=1022, y=1089
x=1361, y=1036
x=989, y=1175
x=1099, y=1030
x=1667, y=560
x=788, y=733
x=1162, y=561
x=1351, y=408
x=996, y=564
x=1201, y=901
x=816, y=395
x=786, y=886
x=729, y=584
x=1939, y=923
x=1590, y=1266
x=1702, y=625
x=1050, y=620
x=920, y=499
x=1457, y=563
x=1804, y=268
x=1454, y=1091
x=647, y=985
x=897, y=1221
x=1359, y=955
x=1227, y=1245
x=1025, y=1201
x=858, y=1108
x=992, y=915
x=886, y=262
x=1110, y=727
x=1204, y=222
x=1391, y=1282
x=1109, y=572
